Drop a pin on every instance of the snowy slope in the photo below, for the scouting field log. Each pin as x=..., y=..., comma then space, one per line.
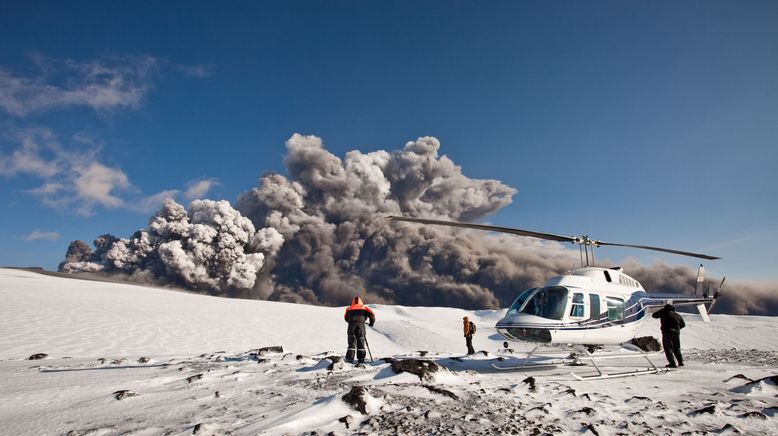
x=96, y=332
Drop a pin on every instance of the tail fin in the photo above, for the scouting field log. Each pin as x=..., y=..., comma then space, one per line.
x=698, y=291
x=700, y=280
x=716, y=295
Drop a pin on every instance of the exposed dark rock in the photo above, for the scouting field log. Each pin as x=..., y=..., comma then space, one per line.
x=541, y=408
x=586, y=410
x=570, y=391
x=592, y=429
x=753, y=414
x=120, y=395
x=274, y=349
x=422, y=368
x=432, y=414
x=646, y=343
x=217, y=394
x=423, y=353
x=194, y=378
x=262, y=361
x=197, y=428
x=387, y=359
x=336, y=362
x=38, y=356
x=119, y=361
x=533, y=387
x=729, y=428
x=740, y=376
x=357, y=398
x=348, y=420
x=709, y=409
x=299, y=357
x=638, y=397
x=441, y=391
x=773, y=379
x=143, y=360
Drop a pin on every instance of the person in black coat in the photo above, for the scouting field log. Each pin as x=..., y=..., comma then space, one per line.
x=356, y=315
x=672, y=323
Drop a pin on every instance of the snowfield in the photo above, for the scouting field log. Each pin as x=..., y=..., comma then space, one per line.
x=134, y=360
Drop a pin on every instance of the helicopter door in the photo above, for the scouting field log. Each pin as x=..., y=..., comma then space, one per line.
x=594, y=306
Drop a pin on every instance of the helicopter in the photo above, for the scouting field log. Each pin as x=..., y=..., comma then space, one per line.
x=590, y=307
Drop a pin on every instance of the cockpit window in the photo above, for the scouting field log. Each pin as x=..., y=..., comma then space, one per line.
x=519, y=301
x=547, y=303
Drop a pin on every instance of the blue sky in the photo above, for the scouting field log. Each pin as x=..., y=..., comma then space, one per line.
x=649, y=123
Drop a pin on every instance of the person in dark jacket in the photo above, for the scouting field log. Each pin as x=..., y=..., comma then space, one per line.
x=469, y=332
x=672, y=323
x=356, y=315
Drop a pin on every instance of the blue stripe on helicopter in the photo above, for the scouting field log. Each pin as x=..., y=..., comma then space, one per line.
x=635, y=309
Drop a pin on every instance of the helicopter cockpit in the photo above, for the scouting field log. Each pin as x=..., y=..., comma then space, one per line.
x=548, y=302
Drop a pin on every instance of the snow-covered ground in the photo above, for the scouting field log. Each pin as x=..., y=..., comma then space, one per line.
x=126, y=359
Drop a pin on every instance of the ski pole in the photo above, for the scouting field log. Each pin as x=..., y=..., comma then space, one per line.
x=368, y=348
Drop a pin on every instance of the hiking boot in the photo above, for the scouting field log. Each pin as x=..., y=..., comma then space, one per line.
x=670, y=366
x=680, y=364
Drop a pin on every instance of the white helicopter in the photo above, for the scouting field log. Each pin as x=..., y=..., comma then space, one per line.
x=589, y=308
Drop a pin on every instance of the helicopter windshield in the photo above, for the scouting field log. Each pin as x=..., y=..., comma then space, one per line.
x=546, y=302
x=519, y=301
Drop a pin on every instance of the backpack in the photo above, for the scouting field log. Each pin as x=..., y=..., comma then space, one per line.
x=472, y=327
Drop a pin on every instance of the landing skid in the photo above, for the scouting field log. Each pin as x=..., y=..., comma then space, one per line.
x=530, y=366
x=601, y=375
x=527, y=367
x=606, y=375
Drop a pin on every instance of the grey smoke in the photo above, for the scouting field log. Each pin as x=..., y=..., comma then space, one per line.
x=208, y=247
x=323, y=238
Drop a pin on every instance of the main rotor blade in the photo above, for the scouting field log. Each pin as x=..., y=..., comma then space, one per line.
x=549, y=236
x=519, y=232
x=666, y=250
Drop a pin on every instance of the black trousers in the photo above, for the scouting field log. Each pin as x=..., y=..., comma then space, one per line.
x=356, y=342
x=469, y=341
x=671, y=342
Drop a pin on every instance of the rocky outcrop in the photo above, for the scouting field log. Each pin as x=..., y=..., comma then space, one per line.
x=424, y=369
x=646, y=343
x=358, y=398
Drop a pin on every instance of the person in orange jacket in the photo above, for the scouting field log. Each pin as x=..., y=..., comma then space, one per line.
x=356, y=315
x=469, y=328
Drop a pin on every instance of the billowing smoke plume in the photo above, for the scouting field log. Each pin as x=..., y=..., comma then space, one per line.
x=324, y=238
x=209, y=247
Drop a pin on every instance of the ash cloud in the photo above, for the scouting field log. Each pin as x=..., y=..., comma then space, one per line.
x=322, y=237
x=208, y=247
